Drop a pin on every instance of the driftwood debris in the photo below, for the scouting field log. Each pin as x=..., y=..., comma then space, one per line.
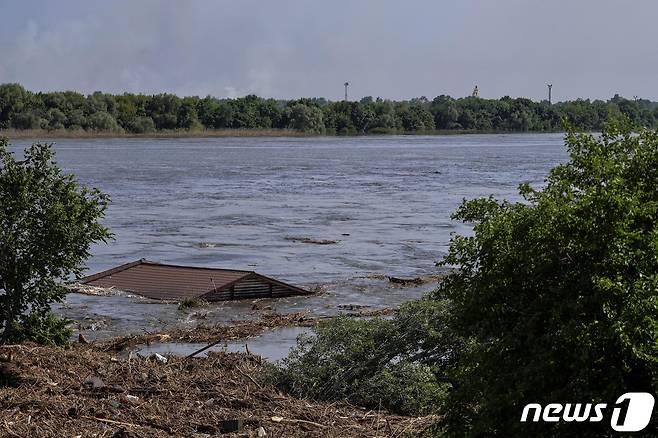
x=304, y=239
x=86, y=391
x=415, y=281
x=406, y=281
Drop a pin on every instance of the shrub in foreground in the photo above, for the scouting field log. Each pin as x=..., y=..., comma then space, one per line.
x=376, y=362
x=45, y=329
x=47, y=225
x=558, y=295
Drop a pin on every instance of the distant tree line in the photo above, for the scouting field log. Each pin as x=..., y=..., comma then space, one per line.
x=137, y=113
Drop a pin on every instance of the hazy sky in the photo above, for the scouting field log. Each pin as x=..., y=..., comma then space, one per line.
x=287, y=48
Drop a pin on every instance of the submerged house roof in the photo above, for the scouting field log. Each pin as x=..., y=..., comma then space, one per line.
x=172, y=282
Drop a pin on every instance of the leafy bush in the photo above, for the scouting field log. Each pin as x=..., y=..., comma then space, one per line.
x=42, y=328
x=306, y=119
x=406, y=387
x=375, y=362
x=103, y=121
x=28, y=120
x=142, y=125
x=416, y=118
x=558, y=295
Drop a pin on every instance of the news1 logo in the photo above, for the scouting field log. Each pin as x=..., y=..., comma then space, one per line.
x=630, y=413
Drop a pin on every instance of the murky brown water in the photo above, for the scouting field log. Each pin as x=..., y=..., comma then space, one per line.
x=236, y=202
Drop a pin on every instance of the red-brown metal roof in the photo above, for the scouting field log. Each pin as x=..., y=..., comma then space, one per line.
x=173, y=282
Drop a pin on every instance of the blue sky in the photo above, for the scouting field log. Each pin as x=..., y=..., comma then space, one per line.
x=295, y=48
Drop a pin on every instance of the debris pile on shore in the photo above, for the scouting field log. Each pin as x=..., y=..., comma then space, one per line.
x=234, y=331
x=84, y=391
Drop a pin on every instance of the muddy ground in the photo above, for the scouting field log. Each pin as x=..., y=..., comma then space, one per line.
x=87, y=391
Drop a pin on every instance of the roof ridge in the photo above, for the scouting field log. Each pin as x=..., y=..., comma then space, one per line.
x=144, y=261
x=160, y=281
x=114, y=270
x=150, y=262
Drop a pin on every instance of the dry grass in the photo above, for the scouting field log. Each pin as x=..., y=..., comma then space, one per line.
x=182, y=133
x=87, y=392
x=210, y=133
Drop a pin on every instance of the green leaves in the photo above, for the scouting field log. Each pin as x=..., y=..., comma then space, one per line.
x=399, y=364
x=305, y=118
x=47, y=225
x=558, y=295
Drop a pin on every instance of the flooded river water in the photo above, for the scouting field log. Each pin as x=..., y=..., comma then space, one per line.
x=245, y=203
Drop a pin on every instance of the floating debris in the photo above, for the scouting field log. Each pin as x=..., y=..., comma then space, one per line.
x=352, y=306
x=303, y=239
x=211, y=245
x=190, y=303
x=405, y=281
x=416, y=281
x=87, y=289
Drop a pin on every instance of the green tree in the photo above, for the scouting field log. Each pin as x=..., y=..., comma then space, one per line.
x=76, y=119
x=385, y=120
x=28, y=120
x=208, y=111
x=188, y=117
x=306, y=119
x=12, y=102
x=47, y=224
x=163, y=109
x=337, y=117
x=102, y=121
x=56, y=118
x=363, y=118
x=416, y=117
x=558, y=295
x=225, y=114
x=142, y=125
x=22, y=109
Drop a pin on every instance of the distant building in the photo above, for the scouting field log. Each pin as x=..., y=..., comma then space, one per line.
x=476, y=92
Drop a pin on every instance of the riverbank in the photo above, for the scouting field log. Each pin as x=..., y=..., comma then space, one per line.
x=85, y=391
x=220, y=133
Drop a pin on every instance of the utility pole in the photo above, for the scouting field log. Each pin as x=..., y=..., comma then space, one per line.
x=347, y=84
x=550, y=87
